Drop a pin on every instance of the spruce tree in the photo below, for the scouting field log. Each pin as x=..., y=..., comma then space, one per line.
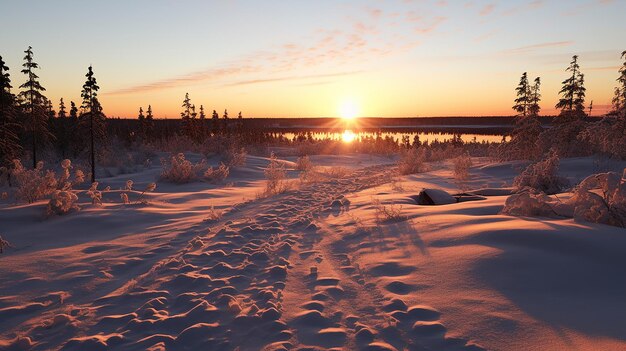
x=92, y=118
x=73, y=111
x=240, y=123
x=34, y=112
x=186, y=116
x=523, y=96
x=226, y=124
x=215, y=123
x=62, y=113
x=619, y=100
x=149, y=123
x=572, y=101
x=9, y=140
x=203, y=126
x=142, y=124
x=535, y=98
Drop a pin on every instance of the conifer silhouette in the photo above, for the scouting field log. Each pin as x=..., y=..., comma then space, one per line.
x=572, y=101
x=92, y=117
x=9, y=140
x=35, y=119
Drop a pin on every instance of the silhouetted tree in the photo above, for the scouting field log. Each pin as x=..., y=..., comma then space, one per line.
x=73, y=111
x=215, y=123
x=142, y=124
x=203, y=126
x=149, y=123
x=535, y=98
x=186, y=116
x=9, y=140
x=523, y=96
x=226, y=123
x=34, y=112
x=619, y=100
x=62, y=113
x=92, y=117
x=49, y=109
x=572, y=102
x=240, y=123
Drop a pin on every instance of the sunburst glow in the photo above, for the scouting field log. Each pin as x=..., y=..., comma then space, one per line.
x=348, y=136
x=348, y=110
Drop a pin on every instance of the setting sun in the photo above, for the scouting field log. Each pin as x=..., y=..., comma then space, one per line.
x=348, y=110
x=348, y=136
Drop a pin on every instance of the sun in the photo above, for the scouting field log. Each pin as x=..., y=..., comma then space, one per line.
x=348, y=136
x=348, y=110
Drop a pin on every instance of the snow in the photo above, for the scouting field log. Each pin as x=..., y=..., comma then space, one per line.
x=312, y=267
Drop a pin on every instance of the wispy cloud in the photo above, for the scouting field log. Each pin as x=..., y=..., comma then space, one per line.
x=292, y=78
x=535, y=47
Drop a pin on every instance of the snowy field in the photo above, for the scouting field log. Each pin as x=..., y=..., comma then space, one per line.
x=348, y=261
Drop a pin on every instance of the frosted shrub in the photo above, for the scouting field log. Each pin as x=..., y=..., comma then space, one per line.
x=62, y=202
x=529, y=203
x=179, y=170
x=33, y=184
x=601, y=198
x=124, y=198
x=129, y=185
x=542, y=176
x=216, y=175
x=95, y=194
x=275, y=177
x=79, y=177
x=412, y=161
x=3, y=244
x=213, y=215
x=462, y=166
x=304, y=164
x=149, y=188
x=235, y=158
x=608, y=136
x=388, y=213
x=336, y=172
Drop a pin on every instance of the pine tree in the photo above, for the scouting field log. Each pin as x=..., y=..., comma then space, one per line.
x=572, y=102
x=61, y=129
x=619, y=100
x=215, y=123
x=9, y=140
x=186, y=116
x=203, y=126
x=535, y=98
x=142, y=124
x=240, y=123
x=62, y=113
x=73, y=111
x=93, y=119
x=226, y=124
x=523, y=96
x=34, y=112
x=149, y=123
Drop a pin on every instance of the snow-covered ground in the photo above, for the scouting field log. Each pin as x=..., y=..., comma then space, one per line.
x=312, y=267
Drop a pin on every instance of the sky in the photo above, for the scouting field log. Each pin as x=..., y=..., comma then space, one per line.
x=296, y=58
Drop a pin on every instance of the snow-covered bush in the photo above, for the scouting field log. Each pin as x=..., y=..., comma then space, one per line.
x=3, y=244
x=304, y=163
x=601, y=198
x=124, y=198
x=95, y=194
x=235, y=157
x=62, y=202
x=149, y=188
x=529, y=203
x=412, y=161
x=387, y=213
x=524, y=141
x=129, y=185
x=275, y=177
x=462, y=166
x=542, y=176
x=33, y=184
x=608, y=136
x=217, y=175
x=177, y=169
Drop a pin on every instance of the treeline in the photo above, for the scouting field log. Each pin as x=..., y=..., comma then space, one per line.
x=573, y=132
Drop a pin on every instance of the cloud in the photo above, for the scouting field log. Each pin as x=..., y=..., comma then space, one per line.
x=292, y=78
x=487, y=9
x=530, y=48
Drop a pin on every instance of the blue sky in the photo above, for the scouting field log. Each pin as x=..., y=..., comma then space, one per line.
x=308, y=58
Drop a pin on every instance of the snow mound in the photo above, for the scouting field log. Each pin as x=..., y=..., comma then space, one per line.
x=434, y=197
